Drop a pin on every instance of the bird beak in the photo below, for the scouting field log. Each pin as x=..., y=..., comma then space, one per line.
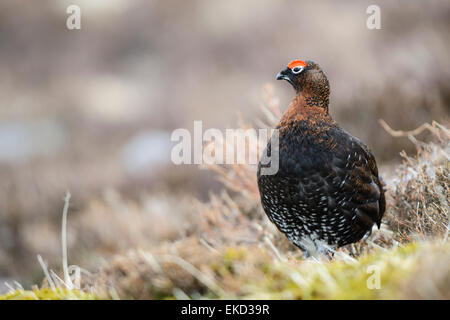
x=285, y=75
x=280, y=76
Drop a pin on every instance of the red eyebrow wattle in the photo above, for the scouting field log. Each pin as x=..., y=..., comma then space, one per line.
x=296, y=63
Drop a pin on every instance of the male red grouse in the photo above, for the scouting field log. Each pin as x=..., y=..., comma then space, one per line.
x=327, y=189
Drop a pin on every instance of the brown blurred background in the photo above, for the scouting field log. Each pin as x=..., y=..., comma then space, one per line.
x=91, y=111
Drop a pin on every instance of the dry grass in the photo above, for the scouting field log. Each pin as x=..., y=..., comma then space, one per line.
x=189, y=270
x=420, y=189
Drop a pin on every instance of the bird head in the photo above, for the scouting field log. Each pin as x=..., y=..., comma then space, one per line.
x=306, y=77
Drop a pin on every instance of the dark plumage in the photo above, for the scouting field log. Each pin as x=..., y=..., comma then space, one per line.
x=327, y=189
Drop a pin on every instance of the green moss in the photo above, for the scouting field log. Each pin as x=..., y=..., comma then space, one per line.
x=47, y=294
x=336, y=279
x=230, y=256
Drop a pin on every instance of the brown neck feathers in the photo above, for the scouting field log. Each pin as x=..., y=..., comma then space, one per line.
x=306, y=107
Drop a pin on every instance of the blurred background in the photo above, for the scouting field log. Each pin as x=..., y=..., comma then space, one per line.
x=91, y=111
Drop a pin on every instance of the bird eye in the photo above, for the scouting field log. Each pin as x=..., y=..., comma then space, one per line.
x=297, y=70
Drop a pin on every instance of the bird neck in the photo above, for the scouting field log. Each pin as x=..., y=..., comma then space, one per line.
x=314, y=100
x=306, y=106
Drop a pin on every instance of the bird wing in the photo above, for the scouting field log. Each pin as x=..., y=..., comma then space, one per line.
x=360, y=183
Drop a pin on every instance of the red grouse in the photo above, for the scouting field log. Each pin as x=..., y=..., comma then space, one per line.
x=327, y=189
